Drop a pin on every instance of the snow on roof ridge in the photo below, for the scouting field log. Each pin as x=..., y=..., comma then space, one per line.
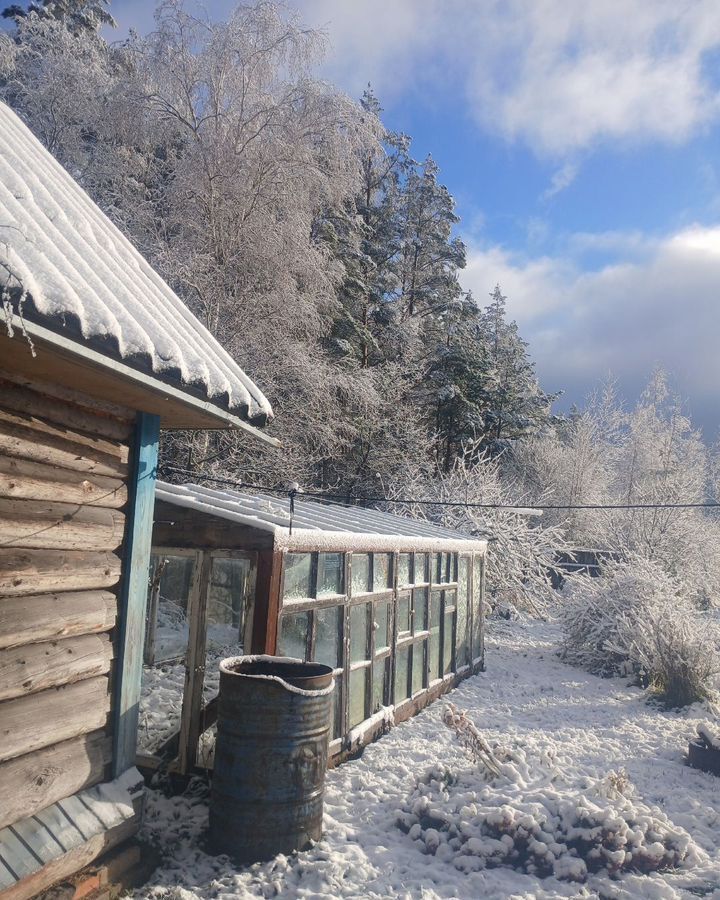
x=72, y=260
x=322, y=520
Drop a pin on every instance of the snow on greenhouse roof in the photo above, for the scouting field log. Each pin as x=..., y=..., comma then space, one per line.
x=318, y=524
x=80, y=274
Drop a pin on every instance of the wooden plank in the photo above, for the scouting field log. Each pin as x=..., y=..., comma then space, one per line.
x=81, y=398
x=26, y=572
x=25, y=479
x=195, y=666
x=44, y=617
x=31, y=782
x=132, y=608
x=35, y=400
x=40, y=524
x=267, y=601
x=48, y=717
x=36, y=667
x=30, y=438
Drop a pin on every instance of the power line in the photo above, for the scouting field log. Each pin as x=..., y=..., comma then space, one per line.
x=406, y=501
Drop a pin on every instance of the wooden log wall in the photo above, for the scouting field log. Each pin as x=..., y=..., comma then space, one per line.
x=63, y=491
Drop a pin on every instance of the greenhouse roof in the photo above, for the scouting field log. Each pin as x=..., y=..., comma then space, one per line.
x=318, y=524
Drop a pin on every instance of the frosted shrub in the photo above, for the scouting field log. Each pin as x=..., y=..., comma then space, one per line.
x=537, y=818
x=635, y=619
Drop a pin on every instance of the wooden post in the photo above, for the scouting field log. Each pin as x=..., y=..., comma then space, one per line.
x=133, y=596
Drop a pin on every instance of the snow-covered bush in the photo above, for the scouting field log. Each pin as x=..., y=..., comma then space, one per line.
x=538, y=820
x=636, y=619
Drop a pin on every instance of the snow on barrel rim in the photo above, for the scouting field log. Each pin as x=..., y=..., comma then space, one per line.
x=79, y=275
x=232, y=665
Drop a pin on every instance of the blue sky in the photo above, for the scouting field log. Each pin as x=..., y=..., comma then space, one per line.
x=581, y=142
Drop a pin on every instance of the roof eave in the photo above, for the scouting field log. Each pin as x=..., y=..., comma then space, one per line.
x=177, y=408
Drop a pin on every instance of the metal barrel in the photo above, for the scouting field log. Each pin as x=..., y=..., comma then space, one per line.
x=270, y=757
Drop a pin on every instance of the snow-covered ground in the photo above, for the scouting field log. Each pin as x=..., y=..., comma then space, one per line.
x=572, y=729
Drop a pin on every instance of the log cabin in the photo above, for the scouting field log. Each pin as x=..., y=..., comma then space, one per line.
x=394, y=605
x=97, y=354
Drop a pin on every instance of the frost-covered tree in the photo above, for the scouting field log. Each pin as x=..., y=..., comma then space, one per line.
x=75, y=15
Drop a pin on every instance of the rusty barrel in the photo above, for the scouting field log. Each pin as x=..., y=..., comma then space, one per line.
x=270, y=757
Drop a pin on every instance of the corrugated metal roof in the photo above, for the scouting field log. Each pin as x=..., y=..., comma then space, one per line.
x=84, y=279
x=329, y=524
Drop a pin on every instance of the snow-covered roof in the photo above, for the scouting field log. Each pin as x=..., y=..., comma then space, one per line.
x=318, y=524
x=82, y=277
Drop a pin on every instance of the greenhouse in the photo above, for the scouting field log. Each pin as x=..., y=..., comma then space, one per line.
x=394, y=605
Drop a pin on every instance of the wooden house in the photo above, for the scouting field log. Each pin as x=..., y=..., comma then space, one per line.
x=97, y=354
x=394, y=605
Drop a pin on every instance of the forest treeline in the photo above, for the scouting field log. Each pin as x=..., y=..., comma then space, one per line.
x=300, y=230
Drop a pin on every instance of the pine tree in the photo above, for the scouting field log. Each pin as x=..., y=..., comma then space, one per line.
x=76, y=15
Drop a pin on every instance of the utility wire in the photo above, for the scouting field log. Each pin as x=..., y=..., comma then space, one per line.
x=406, y=501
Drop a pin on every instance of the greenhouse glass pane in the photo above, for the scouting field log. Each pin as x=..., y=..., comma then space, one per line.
x=171, y=625
x=380, y=667
x=420, y=602
x=402, y=661
x=435, y=609
x=382, y=571
x=477, y=612
x=418, y=666
x=328, y=646
x=382, y=632
x=360, y=563
x=331, y=574
x=293, y=635
x=404, y=575
x=448, y=642
x=359, y=632
x=337, y=725
x=403, y=614
x=436, y=567
x=358, y=680
x=420, y=572
x=461, y=635
x=434, y=652
x=297, y=576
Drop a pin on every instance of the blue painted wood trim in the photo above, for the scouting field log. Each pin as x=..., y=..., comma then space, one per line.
x=133, y=596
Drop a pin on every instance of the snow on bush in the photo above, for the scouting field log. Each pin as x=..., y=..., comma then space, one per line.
x=636, y=619
x=536, y=818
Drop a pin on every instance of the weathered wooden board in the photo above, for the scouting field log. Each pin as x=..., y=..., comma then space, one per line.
x=35, y=667
x=24, y=572
x=31, y=438
x=31, y=782
x=39, y=524
x=25, y=479
x=48, y=717
x=65, y=408
x=44, y=617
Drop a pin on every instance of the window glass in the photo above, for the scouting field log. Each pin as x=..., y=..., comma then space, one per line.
x=404, y=573
x=436, y=567
x=448, y=642
x=297, y=576
x=402, y=661
x=231, y=591
x=293, y=635
x=420, y=575
x=420, y=602
x=382, y=571
x=359, y=631
x=477, y=611
x=461, y=634
x=356, y=703
x=331, y=574
x=380, y=667
x=434, y=645
x=172, y=577
x=435, y=608
x=338, y=726
x=360, y=563
x=382, y=632
x=328, y=646
x=418, y=666
x=403, y=614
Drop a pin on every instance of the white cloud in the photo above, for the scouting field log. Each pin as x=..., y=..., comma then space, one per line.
x=658, y=308
x=559, y=75
x=561, y=180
